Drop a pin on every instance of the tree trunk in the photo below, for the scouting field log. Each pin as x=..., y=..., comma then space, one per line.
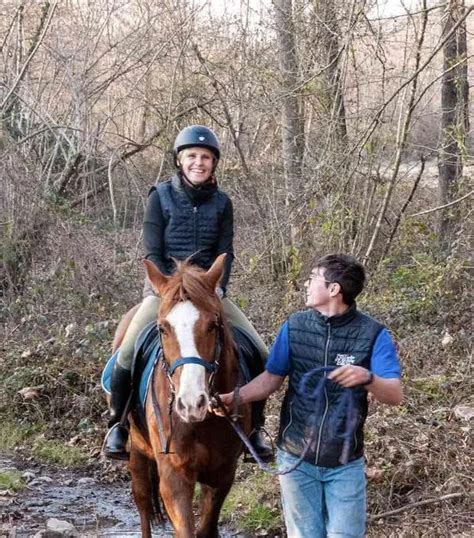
x=292, y=126
x=328, y=30
x=454, y=119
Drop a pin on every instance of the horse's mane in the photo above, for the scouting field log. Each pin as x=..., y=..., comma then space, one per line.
x=188, y=284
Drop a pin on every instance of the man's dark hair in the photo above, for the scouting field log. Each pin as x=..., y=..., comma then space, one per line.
x=348, y=272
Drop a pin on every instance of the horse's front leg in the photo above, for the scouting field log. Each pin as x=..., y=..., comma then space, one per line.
x=176, y=490
x=142, y=490
x=214, y=490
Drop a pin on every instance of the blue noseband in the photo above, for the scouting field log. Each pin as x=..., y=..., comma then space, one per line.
x=210, y=367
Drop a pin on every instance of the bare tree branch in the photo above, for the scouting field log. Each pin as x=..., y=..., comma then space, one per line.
x=21, y=74
x=454, y=202
x=415, y=505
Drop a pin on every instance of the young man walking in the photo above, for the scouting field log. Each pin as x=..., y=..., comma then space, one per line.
x=322, y=497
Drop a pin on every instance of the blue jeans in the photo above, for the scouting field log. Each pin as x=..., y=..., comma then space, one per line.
x=320, y=502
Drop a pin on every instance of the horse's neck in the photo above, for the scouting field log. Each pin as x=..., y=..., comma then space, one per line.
x=228, y=374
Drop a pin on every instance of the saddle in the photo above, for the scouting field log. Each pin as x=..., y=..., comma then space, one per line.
x=148, y=352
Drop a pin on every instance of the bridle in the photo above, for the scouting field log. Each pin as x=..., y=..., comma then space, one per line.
x=210, y=367
x=170, y=369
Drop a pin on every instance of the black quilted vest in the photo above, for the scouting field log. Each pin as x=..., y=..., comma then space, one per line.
x=191, y=229
x=315, y=341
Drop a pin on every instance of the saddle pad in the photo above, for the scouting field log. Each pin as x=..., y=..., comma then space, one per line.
x=146, y=354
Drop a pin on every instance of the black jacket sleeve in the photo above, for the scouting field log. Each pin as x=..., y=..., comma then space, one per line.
x=154, y=231
x=226, y=242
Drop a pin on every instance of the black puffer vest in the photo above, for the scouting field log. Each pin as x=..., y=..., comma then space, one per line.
x=316, y=341
x=191, y=229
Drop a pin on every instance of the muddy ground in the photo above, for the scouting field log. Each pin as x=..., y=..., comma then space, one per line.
x=94, y=506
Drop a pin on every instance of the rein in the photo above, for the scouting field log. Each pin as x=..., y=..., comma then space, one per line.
x=315, y=395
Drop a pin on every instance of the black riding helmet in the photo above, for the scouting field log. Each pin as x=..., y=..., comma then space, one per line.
x=196, y=136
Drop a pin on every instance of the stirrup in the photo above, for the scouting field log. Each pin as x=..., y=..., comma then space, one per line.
x=119, y=451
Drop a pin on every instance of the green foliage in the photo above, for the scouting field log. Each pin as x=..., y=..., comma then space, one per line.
x=255, y=500
x=414, y=291
x=370, y=146
x=11, y=480
x=260, y=517
x=254, y=261
x=457, y=133
x=14, y=252
x=415, y=232
x=57, y=202
x=241, y=302
x=294, y=265
x=434, y=387
x=334, y=222
x=57, y=452
x=22, y=377
x=13, y=435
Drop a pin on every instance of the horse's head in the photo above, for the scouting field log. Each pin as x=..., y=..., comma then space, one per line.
x=191, y=326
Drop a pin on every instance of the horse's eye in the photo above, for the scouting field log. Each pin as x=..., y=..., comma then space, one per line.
x=212, y=327
x=161, y=329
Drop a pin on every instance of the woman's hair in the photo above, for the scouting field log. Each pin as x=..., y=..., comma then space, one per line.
x=196, y=136
x=348, y=272
x=185, y=151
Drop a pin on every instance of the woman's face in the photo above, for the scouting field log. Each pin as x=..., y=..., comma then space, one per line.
x=196, y=164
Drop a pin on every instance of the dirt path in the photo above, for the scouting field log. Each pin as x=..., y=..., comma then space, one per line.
x=94, y=507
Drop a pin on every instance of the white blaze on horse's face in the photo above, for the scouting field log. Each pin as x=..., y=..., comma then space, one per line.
x=192, y=399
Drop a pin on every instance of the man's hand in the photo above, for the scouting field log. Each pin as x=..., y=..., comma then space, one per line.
x=384, y=390
x=350, y=375
x=258, y=389
x=226, y=399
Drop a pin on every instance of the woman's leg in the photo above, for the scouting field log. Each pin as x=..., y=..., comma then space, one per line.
x=121, y=382
x=239, y=319
x=147, y=312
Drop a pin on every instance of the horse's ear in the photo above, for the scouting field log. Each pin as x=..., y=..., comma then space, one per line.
x=215, y=271
x=157, y=279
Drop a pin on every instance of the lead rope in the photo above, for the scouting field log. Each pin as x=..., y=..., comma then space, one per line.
x=315, y=395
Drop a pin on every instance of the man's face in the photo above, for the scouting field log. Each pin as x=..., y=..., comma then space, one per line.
x=197, y=164
x=318, y=290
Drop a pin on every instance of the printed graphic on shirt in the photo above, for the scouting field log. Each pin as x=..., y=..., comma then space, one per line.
x=342, y=359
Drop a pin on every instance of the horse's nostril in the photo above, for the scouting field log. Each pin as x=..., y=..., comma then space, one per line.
x=202, y=401
x=180, y=405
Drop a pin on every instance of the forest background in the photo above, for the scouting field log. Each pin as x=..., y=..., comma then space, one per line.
x=343, y=128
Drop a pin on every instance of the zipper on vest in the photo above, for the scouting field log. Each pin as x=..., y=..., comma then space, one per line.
x=289, y=422
x=325, y=396
x=195, y=210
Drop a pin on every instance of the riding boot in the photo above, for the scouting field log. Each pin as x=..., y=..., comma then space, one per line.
x=252, y=366
x=263, y=450
x=115, y=444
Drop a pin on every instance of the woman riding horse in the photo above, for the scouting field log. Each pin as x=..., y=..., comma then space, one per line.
x=187, y=216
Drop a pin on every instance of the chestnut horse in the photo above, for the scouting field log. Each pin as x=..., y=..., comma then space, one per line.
x=183, y=443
